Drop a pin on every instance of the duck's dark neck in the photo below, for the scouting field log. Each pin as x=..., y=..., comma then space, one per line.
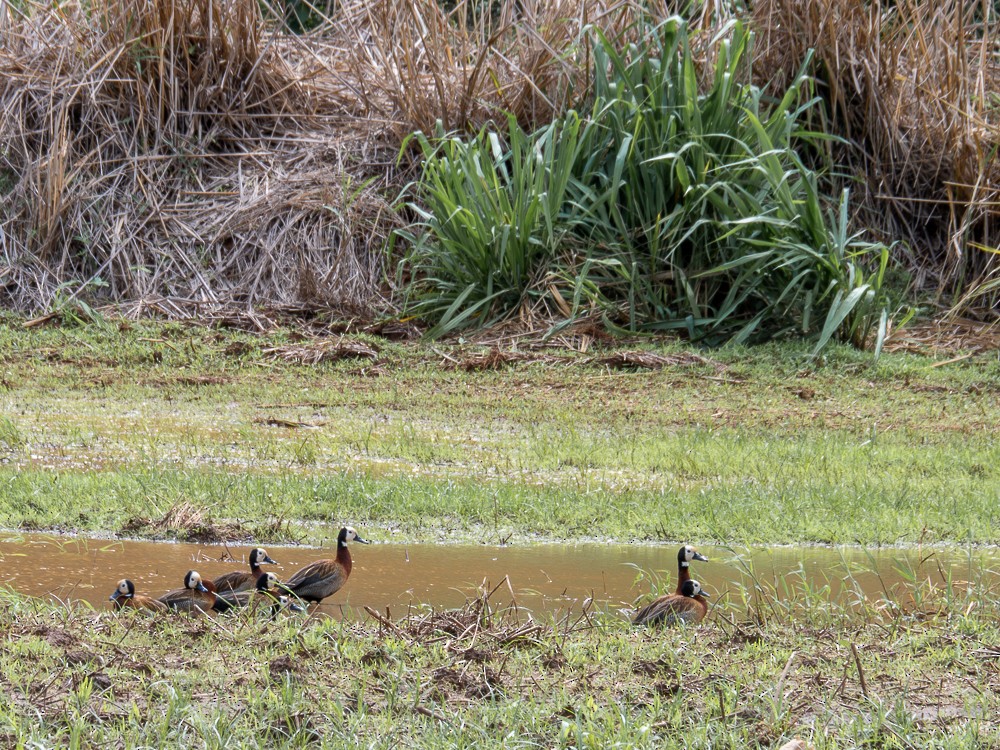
x=209, y=595
x=683, y=574
x=255, y=570
x=344, y=557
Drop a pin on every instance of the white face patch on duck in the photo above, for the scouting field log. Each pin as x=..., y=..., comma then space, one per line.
x=692, y=588
x=125, y=588
x=686, y=554
x=192, y=580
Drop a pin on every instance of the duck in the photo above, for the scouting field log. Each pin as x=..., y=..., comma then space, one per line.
x=685, y=555
x=125, y=597
x=322, y=578
x=689, y=606
x=196, y=596
x=262, y=595
x=242, y=580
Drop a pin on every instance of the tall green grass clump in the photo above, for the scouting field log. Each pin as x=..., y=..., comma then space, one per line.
x=497, y=215
x=678, y=203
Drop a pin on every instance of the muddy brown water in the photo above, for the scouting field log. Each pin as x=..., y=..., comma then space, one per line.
x=551, y=577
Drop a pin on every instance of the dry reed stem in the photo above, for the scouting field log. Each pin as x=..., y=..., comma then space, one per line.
x=915, y=88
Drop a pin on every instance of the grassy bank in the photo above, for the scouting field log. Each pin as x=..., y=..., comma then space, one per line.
x=838, y=676
x=109, y=430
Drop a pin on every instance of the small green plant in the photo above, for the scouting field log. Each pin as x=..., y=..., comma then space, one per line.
x=69, y=304
x=492, y=220
x=10, y=434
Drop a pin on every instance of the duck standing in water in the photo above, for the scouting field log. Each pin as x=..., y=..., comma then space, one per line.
x=323, y=578
x=126, y=598
x=243, y=580
x=689, y=607
x=196, y=596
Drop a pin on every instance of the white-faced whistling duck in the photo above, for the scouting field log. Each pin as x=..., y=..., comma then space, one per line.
x=685, y=555
x=261, y=595
x=243, y=580
x=125, y=597
x=689, y=607
x=320, y=579
x=196, y=596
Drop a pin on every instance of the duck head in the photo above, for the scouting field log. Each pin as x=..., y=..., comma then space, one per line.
x=285, y=602
x=266, y=581
x=193, y=581
x=687, y=553
x=348, y=534
x=259, y=555
x=124, y=590
x=692, y=589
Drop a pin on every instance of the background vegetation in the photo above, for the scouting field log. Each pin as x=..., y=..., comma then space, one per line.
x=185, y=156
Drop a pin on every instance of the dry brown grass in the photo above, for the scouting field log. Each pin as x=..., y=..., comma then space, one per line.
x=174, y=149
x=915, y=88
x=420, y=67
x=322, y=350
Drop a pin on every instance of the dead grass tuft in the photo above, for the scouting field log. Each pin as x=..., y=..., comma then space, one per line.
x=323, y=350
x=637, y=360
x=494, y=359
x=185, y=521
x=176, y=150
x=480, y=621
x=946, y=336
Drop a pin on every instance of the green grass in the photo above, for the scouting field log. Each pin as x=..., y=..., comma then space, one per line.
x=102, y=429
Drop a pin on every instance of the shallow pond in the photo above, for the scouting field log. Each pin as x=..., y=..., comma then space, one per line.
x=541, y=577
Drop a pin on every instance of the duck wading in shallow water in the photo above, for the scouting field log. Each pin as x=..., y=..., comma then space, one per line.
x=689, y=607
x=323, y=578
x=126, y=598
x=243, y=580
